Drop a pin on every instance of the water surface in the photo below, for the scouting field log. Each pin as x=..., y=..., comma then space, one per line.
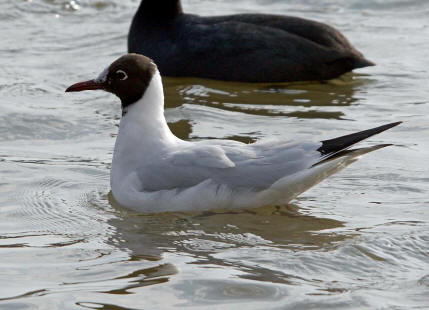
x=359, y=240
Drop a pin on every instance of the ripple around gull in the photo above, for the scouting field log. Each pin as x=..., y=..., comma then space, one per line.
x=55, y=205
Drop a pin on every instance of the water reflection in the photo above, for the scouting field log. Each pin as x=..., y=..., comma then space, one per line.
x=210, y=104
x=101, y=306
x=144, y=277
x=303, y=99
x=206, y=237
x=181, y=129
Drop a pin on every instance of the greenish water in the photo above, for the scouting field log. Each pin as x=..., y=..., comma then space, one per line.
x=359, y=240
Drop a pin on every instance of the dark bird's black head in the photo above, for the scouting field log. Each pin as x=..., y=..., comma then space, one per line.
x=159, y=11
x=128, y=78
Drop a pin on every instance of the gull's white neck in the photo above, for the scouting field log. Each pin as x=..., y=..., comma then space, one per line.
x=143, y=131
x=147, y=114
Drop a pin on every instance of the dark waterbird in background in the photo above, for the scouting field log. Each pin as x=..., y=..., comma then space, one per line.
x=243, y=47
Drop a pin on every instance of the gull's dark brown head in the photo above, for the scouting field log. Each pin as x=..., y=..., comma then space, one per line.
x=128, y=78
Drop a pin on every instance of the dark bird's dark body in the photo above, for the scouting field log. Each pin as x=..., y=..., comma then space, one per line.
x=243, y=47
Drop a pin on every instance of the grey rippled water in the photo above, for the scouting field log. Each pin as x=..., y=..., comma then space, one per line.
x=359, y=240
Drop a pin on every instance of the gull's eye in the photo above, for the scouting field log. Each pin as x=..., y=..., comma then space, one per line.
x=121, y=75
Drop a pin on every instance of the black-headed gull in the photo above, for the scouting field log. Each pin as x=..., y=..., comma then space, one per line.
x=154, y=171
x=242, y=47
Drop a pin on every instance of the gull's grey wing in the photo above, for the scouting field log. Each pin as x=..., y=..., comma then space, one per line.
x=270, y=162
x=191, y=164
x=255, y=166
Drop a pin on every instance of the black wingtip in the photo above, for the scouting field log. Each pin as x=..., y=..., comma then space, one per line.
x=355, y=153
x=341, y=143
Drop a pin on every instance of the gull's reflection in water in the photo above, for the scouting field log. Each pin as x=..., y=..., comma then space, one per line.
x=210, y=239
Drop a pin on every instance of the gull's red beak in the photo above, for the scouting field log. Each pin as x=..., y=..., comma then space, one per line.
x=87, y=85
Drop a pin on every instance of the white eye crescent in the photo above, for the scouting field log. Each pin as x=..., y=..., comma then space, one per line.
x=122, y=75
